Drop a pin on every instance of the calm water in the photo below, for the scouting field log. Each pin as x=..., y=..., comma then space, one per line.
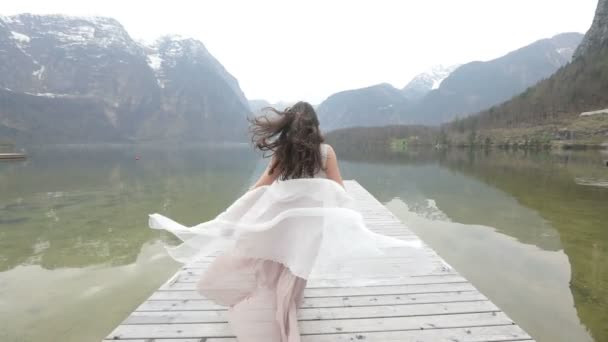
x=530, y=230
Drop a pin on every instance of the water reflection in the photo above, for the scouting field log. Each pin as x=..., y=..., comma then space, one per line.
x=80, y=206
x=57, y=305
x=74, y=236
x=547, y=184
x=74, y=241
x=532, y=197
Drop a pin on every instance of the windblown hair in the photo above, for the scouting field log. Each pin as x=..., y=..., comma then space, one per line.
x=294, y=138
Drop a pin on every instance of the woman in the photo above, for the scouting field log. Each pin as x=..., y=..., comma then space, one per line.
x=295, y=223
x=298, y=148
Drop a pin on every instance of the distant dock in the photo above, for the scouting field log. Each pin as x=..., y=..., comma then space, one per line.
x=12, y=156
x=422, y=306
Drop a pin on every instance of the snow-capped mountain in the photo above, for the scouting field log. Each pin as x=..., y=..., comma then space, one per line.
x=168, y=52
x=423, y=83
x=51, y=65
x=478, y=85
x=445, y=93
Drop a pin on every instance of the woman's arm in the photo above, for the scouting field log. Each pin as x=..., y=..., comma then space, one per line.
x=333, y=171
x=265, y=178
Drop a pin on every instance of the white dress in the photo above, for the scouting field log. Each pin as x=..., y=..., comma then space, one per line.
x=269, y=242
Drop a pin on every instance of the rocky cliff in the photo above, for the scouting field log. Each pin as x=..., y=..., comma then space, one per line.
x=598, y=33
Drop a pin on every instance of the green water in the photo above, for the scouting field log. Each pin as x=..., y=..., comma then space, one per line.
x=530, y=230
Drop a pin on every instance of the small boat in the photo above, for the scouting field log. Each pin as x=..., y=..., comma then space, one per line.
x=12, y=156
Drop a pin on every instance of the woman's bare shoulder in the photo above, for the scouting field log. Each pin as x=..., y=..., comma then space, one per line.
x=330, y=150
x=333, y=171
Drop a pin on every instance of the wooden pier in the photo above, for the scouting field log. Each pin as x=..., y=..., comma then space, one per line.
x=427, y=306
x=11, y=156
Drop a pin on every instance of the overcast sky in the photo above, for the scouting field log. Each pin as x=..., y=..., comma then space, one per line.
x=290, y=50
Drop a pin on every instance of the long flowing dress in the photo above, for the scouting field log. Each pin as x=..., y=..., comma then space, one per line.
x=269, y=242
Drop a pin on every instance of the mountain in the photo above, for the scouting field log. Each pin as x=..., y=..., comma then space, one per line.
x=84, y=79
x=465, y=90
x=550, y=112
x=257, y=105
x=52, y=118
x=423, y=83
x=377, y=105
x=479, y=85
x=598, y=33
x=199, y=99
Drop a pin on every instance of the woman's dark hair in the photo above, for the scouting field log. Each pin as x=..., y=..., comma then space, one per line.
x=294, y=138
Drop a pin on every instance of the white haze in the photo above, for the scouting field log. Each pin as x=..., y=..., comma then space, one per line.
x=290, y=50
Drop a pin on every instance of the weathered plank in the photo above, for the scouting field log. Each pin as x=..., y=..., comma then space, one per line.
x=503, y=333
x=306, y=314
x=340, y=291
x=406, y=302
x=337, y=283
x=326, y=326
x=423, y=298
x=186, y=281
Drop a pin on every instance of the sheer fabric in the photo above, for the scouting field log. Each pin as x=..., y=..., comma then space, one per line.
x=310, y=225
x=273, y=240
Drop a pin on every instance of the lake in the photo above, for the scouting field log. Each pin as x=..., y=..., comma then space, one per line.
x=529, y=229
